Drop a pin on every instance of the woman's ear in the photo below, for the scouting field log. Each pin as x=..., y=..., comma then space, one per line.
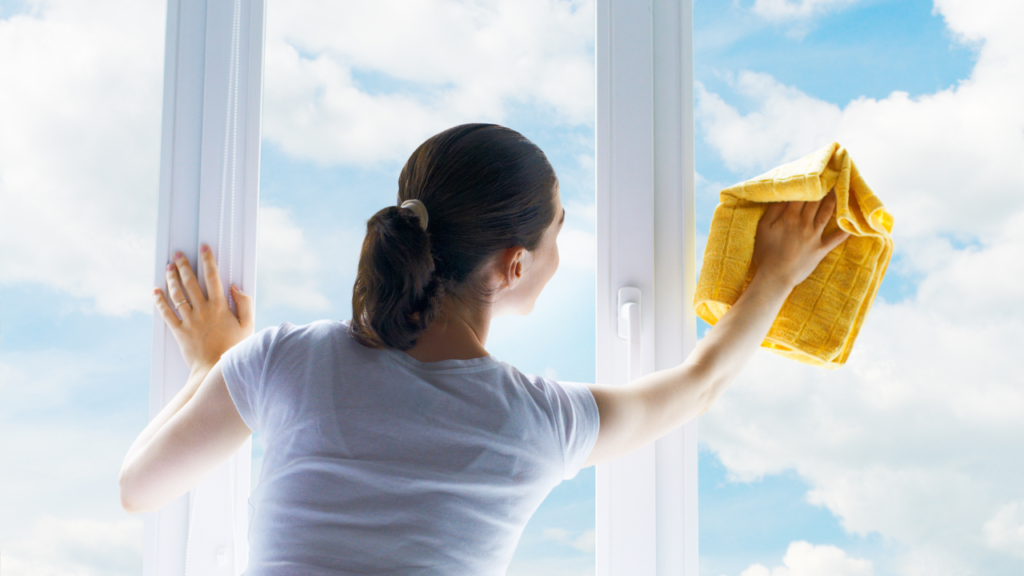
x=511, y=266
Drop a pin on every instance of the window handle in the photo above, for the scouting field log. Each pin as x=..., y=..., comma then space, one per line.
x=629, y=329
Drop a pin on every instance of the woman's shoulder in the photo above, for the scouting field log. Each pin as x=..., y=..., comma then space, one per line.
x=317, y=329
x=545, y=391
x=292, y=338
x=324, y=346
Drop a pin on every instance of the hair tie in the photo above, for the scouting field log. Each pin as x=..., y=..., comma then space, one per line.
x=419, y=209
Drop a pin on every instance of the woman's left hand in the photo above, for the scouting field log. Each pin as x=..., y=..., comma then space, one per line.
x=208, y=327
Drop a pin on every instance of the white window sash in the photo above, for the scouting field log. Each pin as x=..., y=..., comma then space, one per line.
x=209, y=177
x=209, y=194
x=646, y=233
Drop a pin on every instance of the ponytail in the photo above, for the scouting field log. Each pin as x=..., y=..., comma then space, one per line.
x=396, y=295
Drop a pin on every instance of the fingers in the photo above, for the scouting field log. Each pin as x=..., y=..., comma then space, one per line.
x=165, y=309
x=826, y=206
x=793, y=211
x=244, y=305
x=214, y=288
x=774, y=211
x=188, y=279
x=834, y=239
x=178, y=300
x=814, y=209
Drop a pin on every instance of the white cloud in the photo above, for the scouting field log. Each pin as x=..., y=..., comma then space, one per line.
x=790, y=9
x=577, y=242
x=66, y=421
x=1005, y=531
x=805, y=559
x=584, y=542
x=75, y=547
x=80, y=110
x=552, y=566
x=577, y=249
x=913, y=438
x=288, y=272
x=366, y=82
x=942, y=162
x=786, y=124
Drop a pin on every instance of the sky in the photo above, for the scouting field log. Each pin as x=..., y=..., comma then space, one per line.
x=904, y=462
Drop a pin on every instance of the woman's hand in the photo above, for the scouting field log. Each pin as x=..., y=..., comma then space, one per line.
x=788, y=245
x=207, y=327
x=787, y=248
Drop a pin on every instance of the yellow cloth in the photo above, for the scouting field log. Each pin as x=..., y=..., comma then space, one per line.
x=821, y=317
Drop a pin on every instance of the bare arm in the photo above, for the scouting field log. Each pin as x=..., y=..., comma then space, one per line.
x=177, y=403
x=200, y=427
x=788, y=247
x=194, y=440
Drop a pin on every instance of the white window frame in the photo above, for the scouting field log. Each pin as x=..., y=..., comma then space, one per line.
x=209, y=194
x=646, y=233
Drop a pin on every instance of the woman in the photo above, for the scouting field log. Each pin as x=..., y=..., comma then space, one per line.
x=395, y=443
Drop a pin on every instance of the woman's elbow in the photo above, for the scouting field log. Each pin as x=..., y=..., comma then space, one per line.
x=702, y=387
x=708, y=396
x=130, y=498
x=127, y=498
x=129, y=506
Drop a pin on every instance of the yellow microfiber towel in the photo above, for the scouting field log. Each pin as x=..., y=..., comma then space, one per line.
x=821, y=317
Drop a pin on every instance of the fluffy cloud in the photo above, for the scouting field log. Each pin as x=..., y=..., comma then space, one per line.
x=76, y=547
x=784, y=125
x=577, y=249
x=912, y=438
x=576, y=566
x=789, y=9
x=80, y=110
x=942, y=162
x=288, y=273
x=577, y=243
x=805, y=559
x=66, y=420
x=583, y=542
x=366, y=82
x=1005, y=531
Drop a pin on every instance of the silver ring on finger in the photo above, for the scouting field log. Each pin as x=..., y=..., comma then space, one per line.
x=176, y=304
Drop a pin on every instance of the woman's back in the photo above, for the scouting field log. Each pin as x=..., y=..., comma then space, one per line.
x=376, y=462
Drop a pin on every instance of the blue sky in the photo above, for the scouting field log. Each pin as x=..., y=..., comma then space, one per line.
x=900, y=463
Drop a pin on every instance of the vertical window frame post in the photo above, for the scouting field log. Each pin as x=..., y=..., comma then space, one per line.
x=646, y=502
x=209, y=194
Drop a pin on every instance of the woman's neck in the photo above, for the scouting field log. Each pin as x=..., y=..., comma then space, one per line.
x=458, y=333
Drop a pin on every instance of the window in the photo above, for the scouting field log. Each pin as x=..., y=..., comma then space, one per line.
x=903, y=462
x=317, y=136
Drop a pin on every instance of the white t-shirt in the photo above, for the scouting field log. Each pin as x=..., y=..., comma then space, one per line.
x=377, y=463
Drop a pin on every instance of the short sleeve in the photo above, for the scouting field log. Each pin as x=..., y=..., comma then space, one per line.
x=243, y=367
x=579, y=423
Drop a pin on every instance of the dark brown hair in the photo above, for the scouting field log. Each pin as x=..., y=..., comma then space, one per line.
x=486, y=188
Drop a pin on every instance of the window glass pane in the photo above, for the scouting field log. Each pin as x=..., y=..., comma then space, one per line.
x=906, y=460
x=80, y=106
x=351, y=88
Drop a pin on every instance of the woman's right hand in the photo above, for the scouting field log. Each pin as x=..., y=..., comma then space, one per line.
x=787, y=248
x=789, y=243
